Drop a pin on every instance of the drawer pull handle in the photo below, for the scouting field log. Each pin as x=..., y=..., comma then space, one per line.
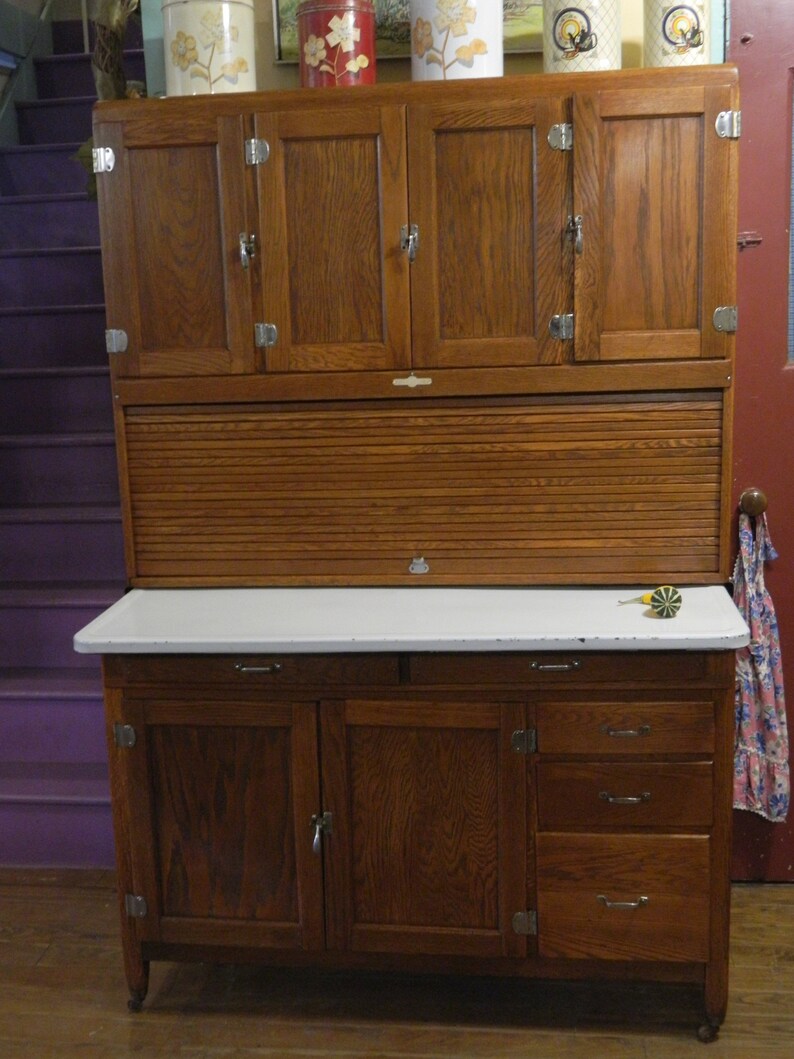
x=274, y=667
x=622, y=904
x=633, y=799
x=556, y=667
x=625, y=733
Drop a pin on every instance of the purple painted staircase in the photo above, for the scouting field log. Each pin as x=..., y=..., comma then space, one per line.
x=61, y=550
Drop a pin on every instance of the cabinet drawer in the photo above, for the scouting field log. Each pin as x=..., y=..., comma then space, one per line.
x=626, y=728
x=623, y=898
x=254, y=671
x=620, y=794
x=563, y=668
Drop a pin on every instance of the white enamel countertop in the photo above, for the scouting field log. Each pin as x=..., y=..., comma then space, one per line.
x=301, y=620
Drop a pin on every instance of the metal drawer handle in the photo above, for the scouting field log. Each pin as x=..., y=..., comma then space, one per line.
x=631, y=800
x=555, y=667
x=625, y=733
x=274, y=667
x=622, y=904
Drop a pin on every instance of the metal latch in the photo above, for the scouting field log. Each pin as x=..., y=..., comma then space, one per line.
x=725, y=318
x=561, y=326
x=409, y=240
x=256, y=151
x=135, y=906
x=265, y=335
x=116, y=341
x=124, y=736
x=524, y=741
x=574, y=229
x=323, y=824
x=102, y=159
x=419, y=565
x=560, y=137
x=729, y=124
x=247, y=248
x=525, y=923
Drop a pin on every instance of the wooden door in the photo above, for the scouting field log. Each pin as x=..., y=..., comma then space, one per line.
x=332, y=198
x=655, y=186
x=488, y=195
x=172, y=211
x=428, y=852
x=223, y=792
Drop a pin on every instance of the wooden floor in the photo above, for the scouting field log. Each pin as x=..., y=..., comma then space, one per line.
x=62, y=994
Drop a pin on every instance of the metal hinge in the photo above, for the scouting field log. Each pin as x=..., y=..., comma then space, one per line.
x=726, y=318
x=560, y=137
x=256, y=151
x=561, y=327
x=116, y=341
x=135, y=906
x=102, y=159
x=124, y=736
x=524, y=741
x=409, y=240
x=265, y=335
x=729, y=124
x=525, y=923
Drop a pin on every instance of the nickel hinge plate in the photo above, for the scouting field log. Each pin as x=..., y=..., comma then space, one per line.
x=256, y=151
x=561, y=327
x=124, y=736
x=524, y=741
x=135, y=906
x=116, y=340
x=560, y=137
x=726, y=318
x=102, y=159
x=729, y=124
x=265, y=335
x=525, y=923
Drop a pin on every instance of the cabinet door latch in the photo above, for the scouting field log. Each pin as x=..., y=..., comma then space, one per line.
x=409, y=240
x=525, y=923
x=323, y=824
x=574, y=229
x=247, y=248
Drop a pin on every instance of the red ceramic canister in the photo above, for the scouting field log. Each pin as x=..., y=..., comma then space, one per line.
x=336, y=43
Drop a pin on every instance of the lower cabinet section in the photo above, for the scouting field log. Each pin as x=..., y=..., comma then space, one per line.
x=389, y=811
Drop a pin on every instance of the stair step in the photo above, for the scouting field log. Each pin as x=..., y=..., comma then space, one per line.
x=66, y=75
x=41, y=169
x=52, y=728
x=48, y=221
x=56, y=276
x=37, y=470
x=59, y=400
x=53, y=335
x=49, y=685
x=55, y=120
x=61, y=544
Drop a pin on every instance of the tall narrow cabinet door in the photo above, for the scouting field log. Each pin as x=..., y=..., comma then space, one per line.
x=488, y=196
x=332, y=197
x=428, y=852
x=172, y=211
x=220, y=821
x=654, y=184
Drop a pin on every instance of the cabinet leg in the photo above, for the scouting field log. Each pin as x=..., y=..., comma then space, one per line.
x=137, y=971
x=708, y=1032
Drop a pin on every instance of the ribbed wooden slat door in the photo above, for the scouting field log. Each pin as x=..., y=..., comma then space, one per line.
x=563, y=491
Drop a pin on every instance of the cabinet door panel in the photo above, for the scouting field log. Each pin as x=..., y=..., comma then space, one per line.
x=487, y=192
x=653, y=183
x=332, y=201
x=428, y=852
x=171, y=214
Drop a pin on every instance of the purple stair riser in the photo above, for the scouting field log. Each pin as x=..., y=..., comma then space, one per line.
x=55, y=223
x=68, y=552
x=42, y=636
x=44, y=339
x=55, y=473
x=57, y=403
x=62, y=121
x=70, y=730
x=60, y=277
x=64, y=836
x=63, y=76
x=67, y=35
x=41, y=170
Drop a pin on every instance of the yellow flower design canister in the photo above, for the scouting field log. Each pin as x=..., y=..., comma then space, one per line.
x=209, y=47
x=336, y=43
x=453, y=39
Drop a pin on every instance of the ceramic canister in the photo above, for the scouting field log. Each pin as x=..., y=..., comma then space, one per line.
x=581, y=35
x=454, y=39
x=336, y=43
x=676, y=34
x=209, y=47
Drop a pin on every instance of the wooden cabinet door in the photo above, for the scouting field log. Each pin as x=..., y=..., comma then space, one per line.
x=488, y=195
x=332, y=200
x=428, y=852
x=654, y=185
x=171, y=212
x=221, y=798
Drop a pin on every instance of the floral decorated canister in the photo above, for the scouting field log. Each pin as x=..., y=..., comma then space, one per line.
x=336, y=43
x=581, y=35
x=676, y=34
x=453, y=39
x=209, y=47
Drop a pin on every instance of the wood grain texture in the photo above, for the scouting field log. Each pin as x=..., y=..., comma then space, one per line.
x=625, y=729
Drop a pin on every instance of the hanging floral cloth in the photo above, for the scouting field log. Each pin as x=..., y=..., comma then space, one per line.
x=761, y=768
